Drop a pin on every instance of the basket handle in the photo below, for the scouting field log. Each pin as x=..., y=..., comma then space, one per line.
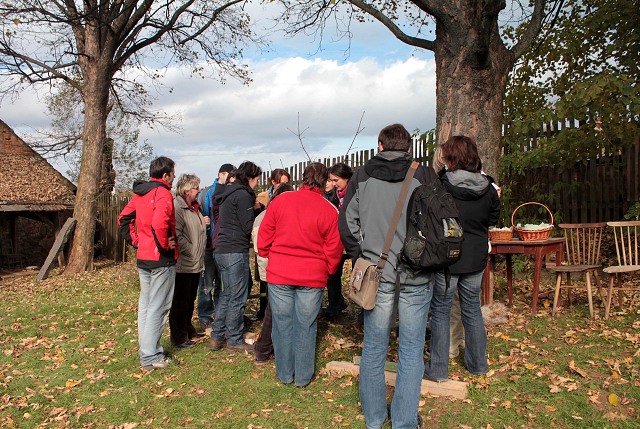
x=531, y=202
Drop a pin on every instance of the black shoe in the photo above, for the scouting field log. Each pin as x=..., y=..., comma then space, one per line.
x=419, y=421
x=186, y=345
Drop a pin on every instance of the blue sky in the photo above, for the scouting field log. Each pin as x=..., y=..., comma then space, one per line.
x=382, y=77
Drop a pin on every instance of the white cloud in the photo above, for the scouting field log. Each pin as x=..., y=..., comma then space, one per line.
x=232, y=122
x=235, y=122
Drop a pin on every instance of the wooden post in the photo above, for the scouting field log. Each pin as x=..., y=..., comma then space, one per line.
x=61, y=239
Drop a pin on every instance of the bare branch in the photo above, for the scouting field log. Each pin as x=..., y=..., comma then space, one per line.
x=299, y=135
x=391, y=26
x=533, y=28
x=358, y=131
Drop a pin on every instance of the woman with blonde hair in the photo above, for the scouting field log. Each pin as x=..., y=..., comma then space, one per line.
x=191, y=234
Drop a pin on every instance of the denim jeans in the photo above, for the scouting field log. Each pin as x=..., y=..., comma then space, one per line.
x=229, y=317
x=208, y=289
x=294, y=312
x=156, y=293
x=475, y=335
x=413, y=308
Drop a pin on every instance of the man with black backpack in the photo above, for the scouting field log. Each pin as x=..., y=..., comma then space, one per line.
x=364, y=221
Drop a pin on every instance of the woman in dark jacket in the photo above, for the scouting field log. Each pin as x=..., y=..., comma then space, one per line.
x=339, y=175
x=236, y=202
x=479, y=207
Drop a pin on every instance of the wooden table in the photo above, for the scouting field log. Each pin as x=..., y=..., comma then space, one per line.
x=537, y=248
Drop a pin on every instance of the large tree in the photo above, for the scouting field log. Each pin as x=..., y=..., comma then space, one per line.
x=472, y=60
x=98, y=47
x=125, y=158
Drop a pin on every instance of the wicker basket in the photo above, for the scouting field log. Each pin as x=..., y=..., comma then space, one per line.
x=501, y=234
x=529, y=234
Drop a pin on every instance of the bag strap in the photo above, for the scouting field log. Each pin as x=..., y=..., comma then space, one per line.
x=393, y=225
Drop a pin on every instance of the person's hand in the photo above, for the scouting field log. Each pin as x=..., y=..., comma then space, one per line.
x=172, y=243
x=207, y=221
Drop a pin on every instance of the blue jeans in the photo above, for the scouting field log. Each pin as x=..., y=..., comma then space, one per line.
x=229, y=317
x=475, y=335
x=208, y=289
x=413, y=308
x=156, y=293
x=294, y=312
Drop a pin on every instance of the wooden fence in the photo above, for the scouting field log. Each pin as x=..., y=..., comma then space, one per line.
x=109, y=241
x=419, y=149
x=594, y=190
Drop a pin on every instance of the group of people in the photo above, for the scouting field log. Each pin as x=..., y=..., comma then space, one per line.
x=302, y=239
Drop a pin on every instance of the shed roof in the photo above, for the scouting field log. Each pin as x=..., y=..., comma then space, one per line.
x=27, y=181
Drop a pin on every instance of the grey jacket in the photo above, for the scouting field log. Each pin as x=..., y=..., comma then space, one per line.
x=368, y=207
x=191, y=233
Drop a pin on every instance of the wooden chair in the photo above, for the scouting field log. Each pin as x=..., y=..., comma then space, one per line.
x=626, y=238
x=582, y=256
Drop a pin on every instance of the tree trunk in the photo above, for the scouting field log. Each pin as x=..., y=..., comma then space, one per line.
x=472, y=70
x=95, y=94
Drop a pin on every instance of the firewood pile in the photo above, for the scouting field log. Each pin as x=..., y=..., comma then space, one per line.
x=29, y=179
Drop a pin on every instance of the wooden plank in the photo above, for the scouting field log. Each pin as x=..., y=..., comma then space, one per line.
x=452, y=388
x=61, y=240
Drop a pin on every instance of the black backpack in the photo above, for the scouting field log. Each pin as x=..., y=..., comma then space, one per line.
x=434, y=233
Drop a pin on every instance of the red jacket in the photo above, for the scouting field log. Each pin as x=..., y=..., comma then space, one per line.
x=147, y=222
x=299, y=235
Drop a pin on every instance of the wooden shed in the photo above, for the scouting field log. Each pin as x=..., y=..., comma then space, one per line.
x=35, y=200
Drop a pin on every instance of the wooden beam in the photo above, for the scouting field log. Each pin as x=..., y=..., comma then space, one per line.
x=61, y=239
x=452, y=388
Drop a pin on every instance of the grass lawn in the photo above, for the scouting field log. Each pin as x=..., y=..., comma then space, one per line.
x=68, y=358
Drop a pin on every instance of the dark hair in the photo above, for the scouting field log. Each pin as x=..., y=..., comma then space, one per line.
x=276, y=175
x=285, y=187
x=341, y=170
x=161, y=166
x=461, y=153
x=394, y=137
x=247, y=170
x=315, y=175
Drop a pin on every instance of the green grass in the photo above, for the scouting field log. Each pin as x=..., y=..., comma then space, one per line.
x=68, y=358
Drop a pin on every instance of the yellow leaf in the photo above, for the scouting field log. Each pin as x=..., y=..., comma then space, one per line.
x=614, y=399
x=71, y=383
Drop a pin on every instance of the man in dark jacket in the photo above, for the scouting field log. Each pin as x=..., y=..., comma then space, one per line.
x=209, y=286
x=364, y=221
x=149, y=224
x=236, y=202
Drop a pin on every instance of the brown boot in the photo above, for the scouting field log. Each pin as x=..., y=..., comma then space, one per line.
x=244, y=347
x=215, y=344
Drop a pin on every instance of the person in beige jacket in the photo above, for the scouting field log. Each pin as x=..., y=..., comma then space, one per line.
x=191, y=234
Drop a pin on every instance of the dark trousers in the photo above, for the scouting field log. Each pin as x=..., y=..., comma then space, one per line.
x=334, y=290
x=184, y=297
x=264, y=345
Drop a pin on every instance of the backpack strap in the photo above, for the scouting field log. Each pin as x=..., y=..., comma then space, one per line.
x=393, y=225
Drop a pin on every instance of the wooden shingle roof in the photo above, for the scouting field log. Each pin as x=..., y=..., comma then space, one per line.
x=27, y=181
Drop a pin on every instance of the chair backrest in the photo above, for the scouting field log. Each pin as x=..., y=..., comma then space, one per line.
x=626, y=236
x=583, y=242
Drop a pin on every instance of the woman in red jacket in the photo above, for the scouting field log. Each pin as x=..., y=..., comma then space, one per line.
x=299, y=235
